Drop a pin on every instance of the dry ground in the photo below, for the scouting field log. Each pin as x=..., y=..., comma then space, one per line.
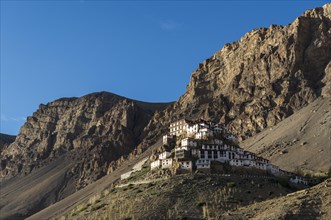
x=84, y=194
x=190, y=196
x=23, y=196
x=308, y=204
x=300, y=142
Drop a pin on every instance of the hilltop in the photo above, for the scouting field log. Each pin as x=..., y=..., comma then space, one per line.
x=198, y=173
x=195, y=196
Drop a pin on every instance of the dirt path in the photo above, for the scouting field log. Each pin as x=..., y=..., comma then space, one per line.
x=223, y=175
x=141, y=182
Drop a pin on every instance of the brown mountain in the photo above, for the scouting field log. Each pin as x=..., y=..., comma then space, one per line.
x=301, y=142
x=250, y=85
x=6, y=140
x=76, y=140
x=93, y=130
x=258, y=81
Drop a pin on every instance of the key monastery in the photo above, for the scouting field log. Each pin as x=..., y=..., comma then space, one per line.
x=194, y=146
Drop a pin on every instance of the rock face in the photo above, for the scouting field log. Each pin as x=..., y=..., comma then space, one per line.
x=250, y=85
x=93, y=130
x=6, y=140
x=300, y=143
x=261, y=79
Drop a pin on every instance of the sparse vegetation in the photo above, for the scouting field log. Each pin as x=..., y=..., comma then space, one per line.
x=220, y=201
x=182, y=196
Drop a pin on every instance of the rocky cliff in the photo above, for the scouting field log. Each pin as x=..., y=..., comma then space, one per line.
x=250, y=85
x=93, y=130
x=6, y=140
x=261, y=79
x=300, y=143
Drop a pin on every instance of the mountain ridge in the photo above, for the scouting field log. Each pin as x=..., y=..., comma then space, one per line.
x=70, y=124
x=260, y=79
x=250, y=85
x=6, y=140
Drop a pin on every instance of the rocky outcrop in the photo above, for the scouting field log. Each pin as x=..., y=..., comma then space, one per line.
x=250, y=85
x=261, y=79
x=6, y=140
x=93, y=130
x=300, y=143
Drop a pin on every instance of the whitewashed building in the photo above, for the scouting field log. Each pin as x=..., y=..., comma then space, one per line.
x=204, y=133
x=168, y=139
x=155, y=164
x=179, y=127
x=167, y=163
x=202, y=164
x=186, y=165
x=189, y=142
x=164, y=155
x=192, y=129
x=299, y=180
x=202, y=142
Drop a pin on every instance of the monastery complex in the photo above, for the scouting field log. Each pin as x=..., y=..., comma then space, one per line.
x=196, y=145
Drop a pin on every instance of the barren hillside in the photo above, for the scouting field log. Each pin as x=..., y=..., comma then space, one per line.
x=300, y=142
x=313, y=203
x=66, y=145
x=260, y=80
x=6, y=140
x=250, y=85
x=196, y=196
x=84, y=194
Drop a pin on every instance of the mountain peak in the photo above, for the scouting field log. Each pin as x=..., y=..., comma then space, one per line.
x=325, y=10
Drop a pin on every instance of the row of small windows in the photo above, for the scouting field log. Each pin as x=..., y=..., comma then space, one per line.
x=177, y=123
x=176, y=128
x=204, y=165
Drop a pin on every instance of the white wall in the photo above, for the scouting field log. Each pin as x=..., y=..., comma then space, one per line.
x=164, y=155
x=155, y=164
x=167, y=163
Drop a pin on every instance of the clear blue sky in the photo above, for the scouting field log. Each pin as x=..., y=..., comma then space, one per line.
x=139, y=49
